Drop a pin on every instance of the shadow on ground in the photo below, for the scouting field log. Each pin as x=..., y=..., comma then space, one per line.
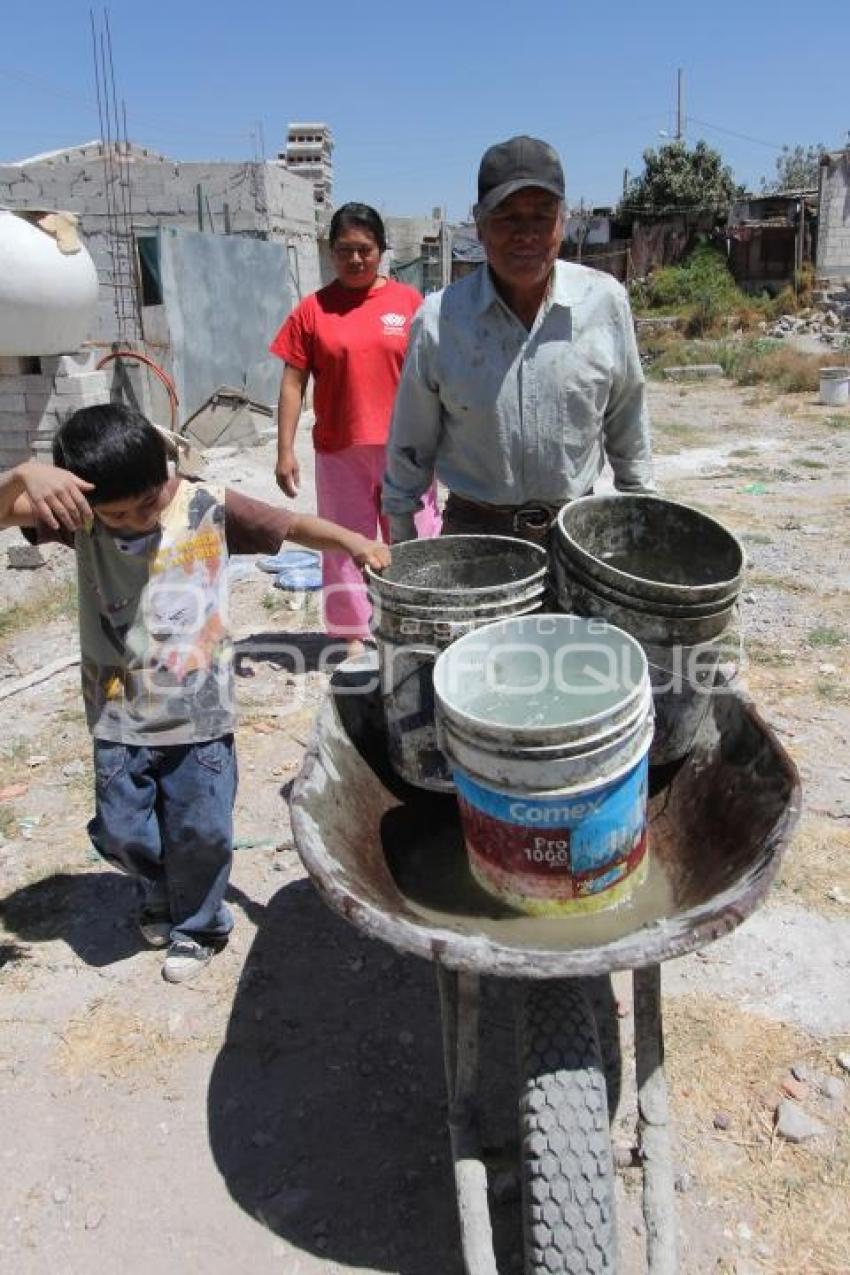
x=326, y=1104
x=91, y=911
x=295, y=653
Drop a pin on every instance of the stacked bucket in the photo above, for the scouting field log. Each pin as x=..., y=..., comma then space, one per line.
x=545, y=725
x=670, y=576
x=434, y=592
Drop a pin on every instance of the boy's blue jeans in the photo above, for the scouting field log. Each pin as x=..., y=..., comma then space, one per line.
x=165, y=816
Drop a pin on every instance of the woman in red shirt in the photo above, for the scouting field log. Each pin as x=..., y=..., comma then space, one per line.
x=351, y=336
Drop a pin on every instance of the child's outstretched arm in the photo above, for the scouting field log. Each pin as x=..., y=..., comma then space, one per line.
x=253, y=526
x=318, y=533
x=32, y=493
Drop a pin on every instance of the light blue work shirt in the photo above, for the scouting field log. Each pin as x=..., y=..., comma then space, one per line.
x=505, y=415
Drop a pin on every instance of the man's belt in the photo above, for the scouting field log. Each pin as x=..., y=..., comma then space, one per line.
x=535, y=516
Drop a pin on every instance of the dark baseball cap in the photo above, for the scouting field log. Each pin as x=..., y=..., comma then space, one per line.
x=513, y=165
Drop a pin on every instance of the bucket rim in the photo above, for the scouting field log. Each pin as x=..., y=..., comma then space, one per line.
x=664, y=589
x=630, y=724
x=547, y=794
x=834, y=373
x=416, y=612
x=393, y=586
x=444, y=658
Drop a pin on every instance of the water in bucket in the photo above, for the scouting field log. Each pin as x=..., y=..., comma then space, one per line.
x=546, y=721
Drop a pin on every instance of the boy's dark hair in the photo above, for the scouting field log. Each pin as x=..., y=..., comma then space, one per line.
x=360, y=217
x=115, y=447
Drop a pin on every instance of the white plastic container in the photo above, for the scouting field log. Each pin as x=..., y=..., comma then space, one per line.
x=547, y=721
x=47, y=297
x=835, y=386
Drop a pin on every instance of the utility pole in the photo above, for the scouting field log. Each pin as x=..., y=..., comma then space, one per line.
x=680, y=105
x=800, y=244
x=445, y=250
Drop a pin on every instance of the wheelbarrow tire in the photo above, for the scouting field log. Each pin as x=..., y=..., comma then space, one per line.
x=565, y=1144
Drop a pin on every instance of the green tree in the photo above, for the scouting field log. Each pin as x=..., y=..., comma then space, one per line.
x=676, y=177
x=796, y=169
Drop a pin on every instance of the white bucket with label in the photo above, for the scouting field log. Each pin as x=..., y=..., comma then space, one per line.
x=546, y=721
x=835, y=386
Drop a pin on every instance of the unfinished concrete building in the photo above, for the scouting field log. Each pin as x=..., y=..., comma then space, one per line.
x=198, y=264
x=100, y=184
x=309, y=153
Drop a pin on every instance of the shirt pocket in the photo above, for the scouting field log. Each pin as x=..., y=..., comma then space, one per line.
x=580, y=401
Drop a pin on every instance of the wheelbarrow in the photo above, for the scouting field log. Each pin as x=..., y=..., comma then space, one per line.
x=390, y=859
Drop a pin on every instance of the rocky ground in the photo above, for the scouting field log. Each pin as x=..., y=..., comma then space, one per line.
x=285, y=1113
x=827, y=321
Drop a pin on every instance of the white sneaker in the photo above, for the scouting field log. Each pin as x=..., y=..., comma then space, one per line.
x=185, y=960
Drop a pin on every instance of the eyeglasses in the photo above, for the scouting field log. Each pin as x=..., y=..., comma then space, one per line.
x=349, y=250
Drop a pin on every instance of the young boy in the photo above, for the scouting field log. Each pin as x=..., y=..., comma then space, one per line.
x=157, y=656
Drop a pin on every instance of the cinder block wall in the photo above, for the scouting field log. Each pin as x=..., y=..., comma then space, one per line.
x=37, y=395
x=405, y=235
x=833, y=256
x=263, y=200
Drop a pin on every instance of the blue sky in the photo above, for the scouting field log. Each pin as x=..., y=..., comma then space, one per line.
x=415, y=92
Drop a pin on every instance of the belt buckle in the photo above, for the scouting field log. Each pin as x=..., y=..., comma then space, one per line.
x=532, y=517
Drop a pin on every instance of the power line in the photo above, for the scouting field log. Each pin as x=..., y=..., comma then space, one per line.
x=44, y=86
x=48, y=88
x=744, y=137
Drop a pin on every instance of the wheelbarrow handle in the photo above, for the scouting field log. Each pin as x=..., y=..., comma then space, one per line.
x=459, y=1005
x=659, y=1207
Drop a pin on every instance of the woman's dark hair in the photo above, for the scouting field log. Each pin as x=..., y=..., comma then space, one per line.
x=361, y=216
x=115, y=447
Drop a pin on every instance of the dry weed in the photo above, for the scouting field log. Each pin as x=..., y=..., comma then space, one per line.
x=720, y=1059
x=109, y=1041
x=817, y=863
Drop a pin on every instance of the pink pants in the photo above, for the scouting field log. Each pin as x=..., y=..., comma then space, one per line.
x=348, y=491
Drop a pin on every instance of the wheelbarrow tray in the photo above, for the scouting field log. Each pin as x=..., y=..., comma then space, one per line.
x=390, y=858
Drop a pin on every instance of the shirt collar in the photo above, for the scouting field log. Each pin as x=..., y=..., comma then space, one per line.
x=570, y=285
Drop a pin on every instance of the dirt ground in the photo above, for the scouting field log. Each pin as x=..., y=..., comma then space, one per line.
x=285, y=1113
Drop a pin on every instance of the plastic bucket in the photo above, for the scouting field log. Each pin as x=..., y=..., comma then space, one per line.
x=665, y=573
x=577, y=596
x=650, y=606
x=653, y=549
x=835, y=386
x=434, y=592
x=546, y=721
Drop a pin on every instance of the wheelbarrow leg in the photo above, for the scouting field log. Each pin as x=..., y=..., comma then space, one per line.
x=459, y=998
x=659, y=1208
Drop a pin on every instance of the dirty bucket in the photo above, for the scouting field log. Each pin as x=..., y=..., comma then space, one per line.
x=835, y=386
x=670, y=576
x=433, y=592
x=546, y=721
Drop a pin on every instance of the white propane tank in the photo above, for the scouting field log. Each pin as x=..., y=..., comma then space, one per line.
x=47, y=295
